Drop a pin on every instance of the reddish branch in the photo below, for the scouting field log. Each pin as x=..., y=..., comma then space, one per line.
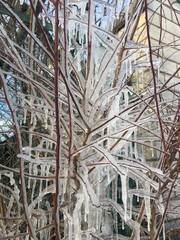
x=58, y=131
x=154, y=79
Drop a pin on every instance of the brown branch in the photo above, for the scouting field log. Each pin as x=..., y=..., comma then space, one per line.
x=57, y=116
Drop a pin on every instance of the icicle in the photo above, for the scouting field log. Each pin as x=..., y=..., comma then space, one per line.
x=53, y=24
x=16, y=191
x=137, y=226
x=161, y=210
x=34, y=121
x=126, y=67
x=148, y=204
x=74, y=10
x=32, y=116
x=97, y=220
x=137, y=187
x=71, y=28
x=164, y=232
x=34, y=223
x=2, y=228
x=43, y=20
x=102, y=10
x=161, y=206
x=52, y=127
x=127, y=11
x=49, y=211
x=77, y=215
x=30, y=102
x=46, y=113
x=86, y=204
x=152, y=149
x=47, y=174
x=131, y=205
x=29, y=179
x=64, y=182
x=70, y=230
x=25, y=115
x=47, y=144
x=105, y=20
x=108, y=177
x=157, y=64
x=126, y=97
x=122, y=224
x=86, y=38
x=51, y=5
x=130, y=67
x=137, y=81
x=76, y=30
x=12, y=181
x=46, y=118
x=115, y=109
x=35, y=171
x=42, y=174
x=135, y=144
x=98, y=169
x=111, y=17
x=143, y=154
x=81, y=35
x=82, y=6
x=79, y=61
x=38, y=222
x=27, y=237
x=10, y=205
x=106, y=226
x=42, y=170
x=47, y=170
x=146, y=50
x=51, y=144
x=124, y=194
x=142, y=78
x=116, y=225
x=119, y=7
x=126, y=149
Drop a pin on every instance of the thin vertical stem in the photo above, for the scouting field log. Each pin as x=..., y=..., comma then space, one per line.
x=154, y=78
x=65, y=41
x=58, y=134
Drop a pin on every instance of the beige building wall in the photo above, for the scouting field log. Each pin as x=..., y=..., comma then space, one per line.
x=163, y=19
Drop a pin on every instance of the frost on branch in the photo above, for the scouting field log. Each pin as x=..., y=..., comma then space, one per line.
x=97, y=159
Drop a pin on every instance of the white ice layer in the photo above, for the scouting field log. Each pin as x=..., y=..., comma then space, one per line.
x=104, y=128
x=124, y=185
